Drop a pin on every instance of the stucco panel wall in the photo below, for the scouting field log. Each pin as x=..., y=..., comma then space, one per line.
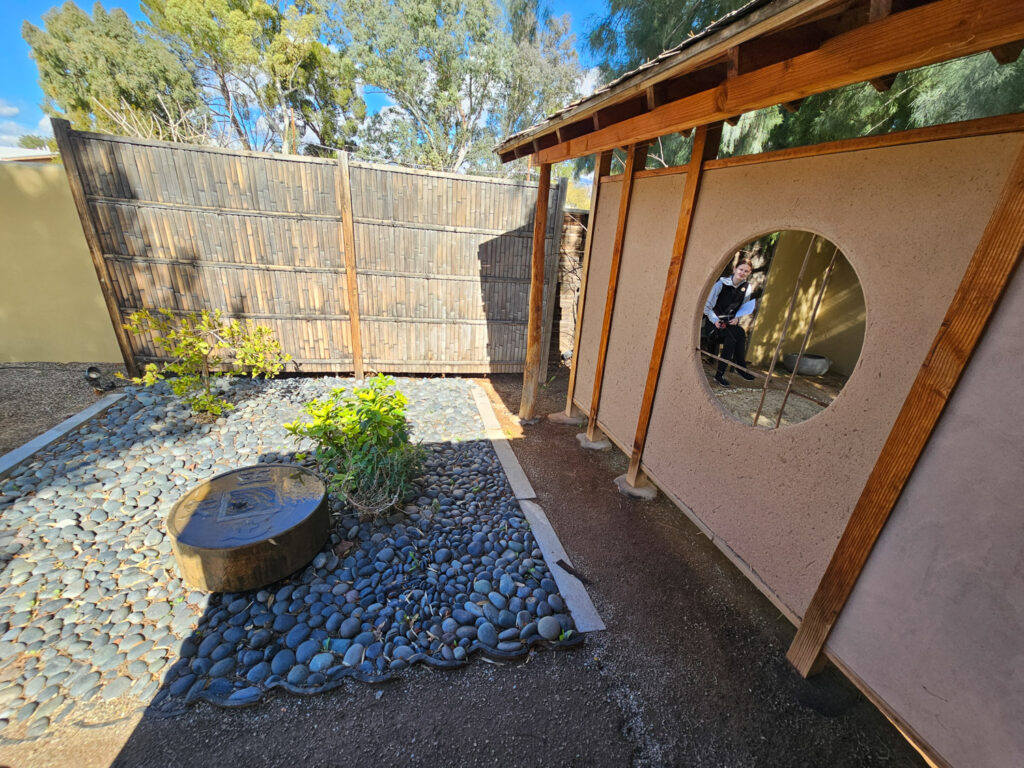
x=936, y=621
x=646, y=251
x=51, y=308
x=604, y=223
x=907, y=218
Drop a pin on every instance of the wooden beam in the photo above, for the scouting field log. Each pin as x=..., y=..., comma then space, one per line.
x=987, y=275
x=705, y=147
x=732, y=120
x=884, y=83
x=792, y=106
x=343, y=190
x=879, y=9
x=69, y=156
x=763, y=21
x=602, y=166
x=1007, y=54
x=939, y=31
x=983, y=126
x=732, y=62
x=613, y=281
x=531, y=372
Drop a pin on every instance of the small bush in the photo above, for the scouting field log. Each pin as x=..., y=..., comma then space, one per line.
x=362, y=445
x=204, y=347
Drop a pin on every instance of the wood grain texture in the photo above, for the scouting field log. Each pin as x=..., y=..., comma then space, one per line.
x=602, y=165
x=532, y=372
x=613, y=281
x=705, y=147
x=348, y=247
x=976, y=298
x=939, y=31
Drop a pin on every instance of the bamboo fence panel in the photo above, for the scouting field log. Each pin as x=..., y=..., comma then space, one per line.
x=442, y=260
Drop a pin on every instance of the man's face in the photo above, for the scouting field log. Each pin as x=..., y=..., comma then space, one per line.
x=741, y=273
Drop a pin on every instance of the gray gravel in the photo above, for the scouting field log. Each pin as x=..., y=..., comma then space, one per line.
x=92, y=609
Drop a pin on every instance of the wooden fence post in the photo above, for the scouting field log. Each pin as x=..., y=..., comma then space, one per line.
x=531, y=370
x=602, y=166
x=635, y=155
x=72, y=166
x=348, y=244
x=705, y=147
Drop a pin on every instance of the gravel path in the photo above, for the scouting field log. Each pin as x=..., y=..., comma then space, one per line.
x=92, y=609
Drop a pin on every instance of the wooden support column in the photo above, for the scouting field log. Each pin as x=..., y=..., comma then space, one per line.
x=987, y=275
x=69, y=156
x=602, y=167
x=532, y=372
x=613, y=280
x=343, y=189
x=705, y=147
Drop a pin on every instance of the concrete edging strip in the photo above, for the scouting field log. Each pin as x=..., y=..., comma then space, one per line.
x=11, y=460
x=584, y=613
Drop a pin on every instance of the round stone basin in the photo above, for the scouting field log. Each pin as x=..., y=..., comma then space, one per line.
x=249, y=527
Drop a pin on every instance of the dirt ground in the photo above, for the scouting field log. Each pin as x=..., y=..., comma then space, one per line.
x=691, y=671
x=37, y=396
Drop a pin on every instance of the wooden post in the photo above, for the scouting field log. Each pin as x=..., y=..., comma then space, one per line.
x=613, y=280
x=602, y=167
x=532, y=372
x=343, y=189
x=987, y=275
x=705, y=147
x=556, y=215
x=62, y=132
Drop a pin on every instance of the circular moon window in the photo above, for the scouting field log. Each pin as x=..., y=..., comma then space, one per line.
x=782, y=328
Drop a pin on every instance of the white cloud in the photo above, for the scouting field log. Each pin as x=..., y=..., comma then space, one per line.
x=8, y=110
x=9, y=133
x=44, y=128
x=591, y=79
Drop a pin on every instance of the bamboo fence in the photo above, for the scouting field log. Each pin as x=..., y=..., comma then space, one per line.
x=355, y=267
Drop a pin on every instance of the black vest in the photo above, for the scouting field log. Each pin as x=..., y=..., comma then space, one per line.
x=730, y=298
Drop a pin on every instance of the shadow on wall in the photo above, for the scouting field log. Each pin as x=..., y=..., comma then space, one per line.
x=839, y=326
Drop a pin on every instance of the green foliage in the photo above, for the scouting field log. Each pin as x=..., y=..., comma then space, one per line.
x=461, y=74
x=95, y=69
x=204, y=347
x=634, y=31
x=362, y=444
x=31, y=141
x=268, y=76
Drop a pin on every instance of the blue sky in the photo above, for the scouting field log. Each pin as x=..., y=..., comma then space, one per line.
x=20, y=96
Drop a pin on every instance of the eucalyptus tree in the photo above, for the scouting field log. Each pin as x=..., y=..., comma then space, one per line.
x=102, y=74
x=458, y=75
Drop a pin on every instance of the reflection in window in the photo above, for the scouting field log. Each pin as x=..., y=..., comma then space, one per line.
x=782, y=328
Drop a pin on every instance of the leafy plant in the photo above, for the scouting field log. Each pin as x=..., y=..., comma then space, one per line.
x=204, y=347
x=362, y=444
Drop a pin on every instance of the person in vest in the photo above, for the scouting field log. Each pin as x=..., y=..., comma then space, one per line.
x=727, y=295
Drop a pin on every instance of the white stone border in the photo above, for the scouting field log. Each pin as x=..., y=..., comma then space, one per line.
x=584, y=614
x=11, y=460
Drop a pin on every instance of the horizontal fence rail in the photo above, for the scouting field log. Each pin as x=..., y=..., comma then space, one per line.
x=437, y=282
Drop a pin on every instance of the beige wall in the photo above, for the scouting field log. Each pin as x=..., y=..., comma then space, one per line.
x=935, y=625
x=51, y=308
x=783, y=514
x=646, y=250
x=597, y=289
x=839, y=327
x=939, y=611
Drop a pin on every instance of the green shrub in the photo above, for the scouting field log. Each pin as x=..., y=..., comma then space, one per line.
x=362, y=445
x=204, y=347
